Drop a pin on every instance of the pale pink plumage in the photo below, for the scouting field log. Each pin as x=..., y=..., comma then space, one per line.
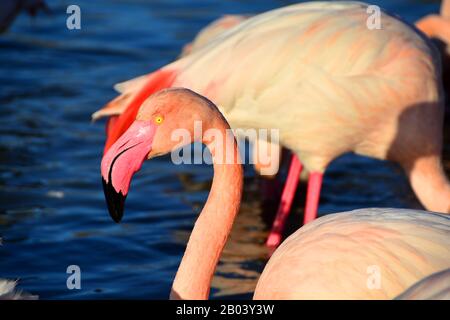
x=212, y=31
x=335, y=256
x=328, y=258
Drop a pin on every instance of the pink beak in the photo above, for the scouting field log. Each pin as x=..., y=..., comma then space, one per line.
x=123, y=159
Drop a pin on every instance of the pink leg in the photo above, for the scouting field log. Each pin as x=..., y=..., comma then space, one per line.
x=313, y=195
x=286, y=202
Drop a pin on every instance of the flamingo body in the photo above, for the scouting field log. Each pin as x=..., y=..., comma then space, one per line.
x=315, y=63
x=212, y=31
x=335, y=256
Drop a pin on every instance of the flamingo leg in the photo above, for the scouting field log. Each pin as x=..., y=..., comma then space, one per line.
x=313, y=195
x=287, y=197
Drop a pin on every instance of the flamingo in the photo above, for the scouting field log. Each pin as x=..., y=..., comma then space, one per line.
x=437, y=25
x=8, y=290
x=434, y=26
x=325, y=259
x=212, y=31
x=11, y=8
x=331, y=86
x=432, y=287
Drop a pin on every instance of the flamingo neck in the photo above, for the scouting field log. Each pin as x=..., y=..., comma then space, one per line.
x=430, y=184
x=211, y=230
x=445, y=8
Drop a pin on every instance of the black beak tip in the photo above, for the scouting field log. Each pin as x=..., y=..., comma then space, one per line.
x=115, y=201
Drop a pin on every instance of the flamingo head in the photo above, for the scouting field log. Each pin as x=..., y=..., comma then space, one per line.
x=150, y=135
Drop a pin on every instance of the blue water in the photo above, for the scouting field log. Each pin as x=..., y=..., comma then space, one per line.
x=52, y=210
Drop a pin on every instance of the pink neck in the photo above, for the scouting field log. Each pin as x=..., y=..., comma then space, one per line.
x=430, y=184
x=210, y=233
x=445, y=8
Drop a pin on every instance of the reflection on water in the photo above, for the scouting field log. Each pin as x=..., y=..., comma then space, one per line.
x=52, y=210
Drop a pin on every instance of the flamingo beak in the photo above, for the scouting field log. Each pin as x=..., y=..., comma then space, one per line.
x=121, y=161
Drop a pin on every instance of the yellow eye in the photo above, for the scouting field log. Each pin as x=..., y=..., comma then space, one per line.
x=159, y=119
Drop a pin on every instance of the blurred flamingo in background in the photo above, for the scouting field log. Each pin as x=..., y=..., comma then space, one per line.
x=8, y=290
x=9, y=9
x=328, y=83
x=327, y=259
x=437, y=25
